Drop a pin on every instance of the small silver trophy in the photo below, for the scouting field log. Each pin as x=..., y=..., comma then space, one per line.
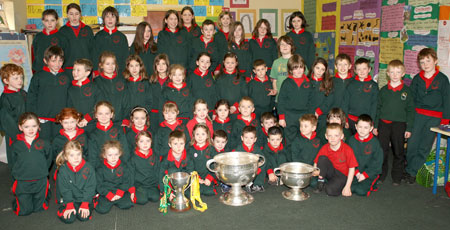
x=180, y=183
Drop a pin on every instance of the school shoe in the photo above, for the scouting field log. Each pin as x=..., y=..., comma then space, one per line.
x=410, y=179
x=254, y=188
x=319, y=187
x=396, y=183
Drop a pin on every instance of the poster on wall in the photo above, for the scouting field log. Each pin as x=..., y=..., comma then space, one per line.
x=325, y=48
x=443, y=50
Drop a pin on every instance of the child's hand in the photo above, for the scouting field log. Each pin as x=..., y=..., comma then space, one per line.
x=232, y=109
x=214, y=117
x=272, y=92
x=69, y=212
x=375, y=131
x=347, y=191
x=272, y=177
x=361, y=178
x=316, y=172
x=216, y=72
x=207, y=182
x=201, y=181
x=82, y=123
x=346, y=125
x=282, y=123
x=316, y=114
x=407, y=134
x=84, y=212
x=116, y=197
x=171, y=196
x=133, y=197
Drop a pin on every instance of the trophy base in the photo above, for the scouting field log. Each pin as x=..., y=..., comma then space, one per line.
x=236, y=197
x=177, y=209
x=296, y=195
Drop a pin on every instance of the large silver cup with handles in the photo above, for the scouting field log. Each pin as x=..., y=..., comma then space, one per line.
x=236, y=169
x=180, y=182
x=297, y=176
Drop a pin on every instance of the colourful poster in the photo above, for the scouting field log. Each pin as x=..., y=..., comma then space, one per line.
x=392, y=17
x=325, y=47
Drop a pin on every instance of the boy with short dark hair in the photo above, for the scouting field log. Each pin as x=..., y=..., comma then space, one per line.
x=369, y=154
x=274, y=152
x=220, y=140
x=47, y=94
x=268, y=120
x=361, y=94
x=342, y=77
x=260, y=89
x=431, y=91
x=336, y=162
x=306, y=146
x=247, y=117
x=205, y=43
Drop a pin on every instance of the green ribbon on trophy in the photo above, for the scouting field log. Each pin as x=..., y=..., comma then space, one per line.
x=163, y=202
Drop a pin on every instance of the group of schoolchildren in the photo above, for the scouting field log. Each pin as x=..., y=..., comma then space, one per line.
x=112, y=120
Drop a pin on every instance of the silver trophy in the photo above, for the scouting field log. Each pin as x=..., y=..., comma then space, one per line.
x=180, y=182
x=297, y=176
x=236, y=169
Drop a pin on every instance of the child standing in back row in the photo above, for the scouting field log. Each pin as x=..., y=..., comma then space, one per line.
x=303, y=40
x=262, y=44
x=279, y=71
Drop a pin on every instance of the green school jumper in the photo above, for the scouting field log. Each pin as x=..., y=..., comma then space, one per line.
x=112, y=181
x=274, y=156
x=115, y=42
x=244, y=56
x=41, y=42
x=258, y=91
x=265, y=49
x=131, y=134
x=171, y=165
x=361, y=97
x=369, y=154
x=239, y=124
x=198, y=45
x=203, y=86
x=222, y=42
x=195, y=31
x=83, y=98
x=321, y=103
x=199, y=156
x=182, y=97
x=76, y=187
x=304, y=149
x=304, y=45
x=231, y=87
x=147, y=56
x=115, y=91
x=145, y=169
x=139, y=93
x=432, y=101
x=176, y=45
x=79, y=43
x=261, y=172
x=339, y=86
x=62, y=138
x=157, y=117
x=161, y=145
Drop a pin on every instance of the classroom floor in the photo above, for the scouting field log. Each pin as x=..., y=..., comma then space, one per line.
x=403, y=207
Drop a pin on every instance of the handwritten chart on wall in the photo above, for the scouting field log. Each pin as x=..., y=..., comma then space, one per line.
x=443, y=49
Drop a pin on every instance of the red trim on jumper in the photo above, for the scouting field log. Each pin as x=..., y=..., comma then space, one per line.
x=386, y=121
x=21, y=137
x=428, y=80
x=313, y=135
x=77, y=30
x=171, y=158
x=171, y=126
x=259, y=80
x=168, y=30
x=264, y=131
x=196, y=147
x=226, y=72
x=315, y=79
x=206, y=43
x=49, y=33
x=85, y=82
x=220, y=151
x=105, y=162
x=77, y=168
x=102, y=74
x=78, y=133
x=132, y=79
x=120, y=192
x=45, y=205
x=299, y=81
x=110, y=31
x=319, y=111
x=397, y=88
x=142, y=155
x=275, y=150
x=371, y=186
x=84, y=205
x=247, y=149
x=87, y=117
x=171, y=85
x=365, y=140
x=161, y=81
x=226, y=34
x=349, y=75
x=368, y=78
x=46, y=69
x=7, y=91
x=430, y=113
x=352, y=117
x=260, y=41
x=199, y=73
x=247, y=123
x=299, y=32
x=48, y=119
x=103, y=128
x=133, y=127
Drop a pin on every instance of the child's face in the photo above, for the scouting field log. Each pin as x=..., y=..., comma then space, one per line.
x=177, y=77
x=201, y=111
x=144, y=143
x=222, y=112
x=161, y=67
x=307, y=128
x=134, y=67
x=230, y=64
x=200, y=136
x=187, y=17
x=147, y=34
x=364, y=129
x=334, y=136
x=177, y=146
x=267, y=124
x=104, y=115
x=343, y=66
x=335, y=119
x=49, y=23
x=172, y=21
x=362, y=70
x=219, y=143
x=395, y=74
x=298, y=72
x=14, y=81
x=428, y=64
x=260, y=71
x=110, y=21
x=246, y=108
x=29, y=128
x=208, y=31
x=112, y=156
x=69, y=124
x=285, y=48
x=262, y=30
x=54, y=63
x=319, y=70
x=79, y=73
x=297, y=23
x=275, y=140
x=170, y=116
x=248, y=139
x=225, y=20
x=204, y=62
x=74, y=16
x=238, y=32
x=139, y=119
x=74, y=157
x=108, y=66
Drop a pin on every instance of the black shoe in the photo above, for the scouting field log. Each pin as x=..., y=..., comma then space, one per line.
x=225, y=188
x=255, y=188
x=319, y=187
x=396, y=183
x=410, y=180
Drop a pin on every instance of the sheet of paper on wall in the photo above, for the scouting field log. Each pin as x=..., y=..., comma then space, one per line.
x=390, y=49
x=369, y=32
x=348, y=33
x=139, y=10
x=410, y=62
x=329, y=22
x=422, y=2
x=382, y=77
x=35, y=11
x=392, y=17
x=428, y=40
x=443, y=50
x=310, y=14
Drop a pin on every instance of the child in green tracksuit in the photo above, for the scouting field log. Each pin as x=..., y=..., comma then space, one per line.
x=336, y=115
x=139, y=121
x=188, y=22
x=268, y=120
x=105, y=130
x=30, y=160
x=110, y=39
x=145, y=46
x=200, y=151
x=303, y=40
x=260, y=89
x=248, y=144
x=12, y=102
x=431, y=92
x=262, y=45
x=205, y=43
x=369, y=154
x=275, y=153
x=115, y=183
x=75, y=183
x=279, y=71
x=294, y=98
x=158, y=81
x=176, y=160
x=342, y=77
x=361, y=94
x=241, y=47
x=305, y=147
x=144, y=165
x=50, y=36
x=79, y=36
x=322, y=85
x=201, y=80
x=47, y=93
x=247, y=117
x=173, y=41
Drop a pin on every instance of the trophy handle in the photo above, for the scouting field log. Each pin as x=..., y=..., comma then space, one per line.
x=190, y=182
x=208, y=164
x=261, y=162
x=275, y=172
